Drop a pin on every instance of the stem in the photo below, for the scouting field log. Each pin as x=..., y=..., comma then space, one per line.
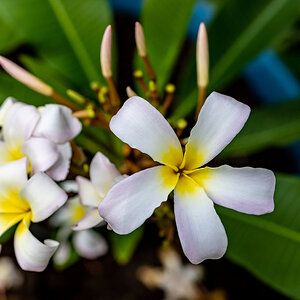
x=149, y=69
x=58, y=98
x=201, y=99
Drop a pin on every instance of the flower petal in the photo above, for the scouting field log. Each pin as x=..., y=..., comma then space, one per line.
x=143, y=127
x=248, y=190
x=200, y=230
x=19, y=122
x=89, y=244
x=130, y=202
x=220, y=120
x=41, y=152
x=32, y=255
x=103, y=174
x=5, y=107
x=43, y=195
x=13, y=175
x=87, y=192
x=5, y=154
x=60, y=169
x=90, y=220
x=7, y=220
x=57, y=124
x=62, y=254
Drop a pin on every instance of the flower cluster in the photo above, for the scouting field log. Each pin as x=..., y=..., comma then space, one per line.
x=36, y=142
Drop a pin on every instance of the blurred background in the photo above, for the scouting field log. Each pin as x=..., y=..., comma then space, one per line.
x=254, y=57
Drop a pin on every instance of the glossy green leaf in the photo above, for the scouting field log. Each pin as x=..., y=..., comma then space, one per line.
x=239, y=32
x=66, y=33
x=277, y=125
x=165, y=25
x=123, y=246
x=269, y=245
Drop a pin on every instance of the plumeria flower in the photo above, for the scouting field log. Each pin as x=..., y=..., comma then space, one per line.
x=41, y=135
x=87, y=243
x=103, y=176
x=10, y=276
x=196, y=188
x=24, y=201
x=178, y=281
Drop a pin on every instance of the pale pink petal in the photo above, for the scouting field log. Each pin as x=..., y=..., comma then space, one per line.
x=200, y=230
x=248, y=190
x=62, y=254
x=43, y=195
x=143, y=127
x=41, y=152
x=19, y=123
x=32, y=255
x=89, y=244
x=57, y=124
x=90, y=220
x=87, y=192
x=130, y=202
x=59, y=171
x=103, y=174
x=220, y=120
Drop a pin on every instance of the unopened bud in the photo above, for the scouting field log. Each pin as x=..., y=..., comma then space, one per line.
x=130, y=92
x=103, y=93
x=138, y=73
x=170, y=88
x=202, y=57
x=95, y=86
x=140, y=40
x=105, y=53
x=152, y=86
x=25, y=77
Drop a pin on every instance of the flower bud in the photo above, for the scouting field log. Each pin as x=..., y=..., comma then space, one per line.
x=140, y=40
x=25, y=77
x=202, y=57
x=105, y=54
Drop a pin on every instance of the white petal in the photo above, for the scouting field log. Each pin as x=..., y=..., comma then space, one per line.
x=103, y=174
x=248, y=190
x=87, y=192
x=13, y=176
x=130, y=202
x=90, y=220
x=62, y=254
x=60, y=169
x=57, y=124
x=19, y=123
x=89, y=244
x=5, y=107
x=32, y=255
x=43, y=195
x=70, y=186
x=142, y=126
x=220, y=120
x=200, y=230
x=41, y=152
x=5, y=154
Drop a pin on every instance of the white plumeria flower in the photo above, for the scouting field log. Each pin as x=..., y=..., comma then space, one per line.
x=103, y=176
x=41, y=135
x=129, y=203
x=178, y=281
x=87, y=243
x=24, y=201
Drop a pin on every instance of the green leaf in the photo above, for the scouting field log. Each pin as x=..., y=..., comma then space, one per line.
x=66, y=33
x=123, y=246
x=269, y=245
x=165, y=25
x=277, y=125
x=9, y=37
x=239, y=32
